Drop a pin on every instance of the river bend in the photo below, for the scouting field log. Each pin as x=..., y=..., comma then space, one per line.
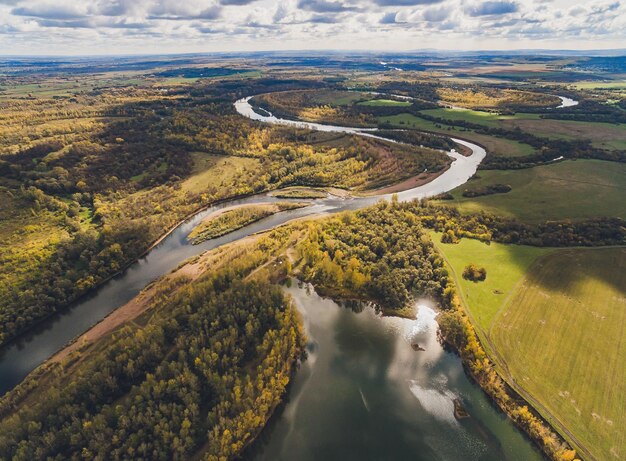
x=30, y=350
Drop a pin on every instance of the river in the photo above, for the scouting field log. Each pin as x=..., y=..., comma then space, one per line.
x=364, y=393
x=566, y=102
x=30, y=350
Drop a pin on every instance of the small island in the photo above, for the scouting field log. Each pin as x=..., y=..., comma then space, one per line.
x=229, y=220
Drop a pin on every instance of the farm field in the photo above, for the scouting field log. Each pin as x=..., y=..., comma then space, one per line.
x=561, y=336
x=575, y=189
x=505, y=265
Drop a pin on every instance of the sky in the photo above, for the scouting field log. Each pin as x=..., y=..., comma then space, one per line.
x=88, y=27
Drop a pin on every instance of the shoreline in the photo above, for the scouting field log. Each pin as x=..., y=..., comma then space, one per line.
x=139, y=304
x=17, y=337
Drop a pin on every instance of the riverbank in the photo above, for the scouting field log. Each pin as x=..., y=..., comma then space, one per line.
x=410, y=183
x=190, y=271
x=458, y=332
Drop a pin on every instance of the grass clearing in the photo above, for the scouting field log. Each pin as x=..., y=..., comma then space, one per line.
x=491, y=119
x=562, y=338
x=385, y=102
x=576, y=189
x=215, y=171
x=505, y=265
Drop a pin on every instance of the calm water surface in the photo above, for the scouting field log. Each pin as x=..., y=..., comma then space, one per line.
x=365, y=394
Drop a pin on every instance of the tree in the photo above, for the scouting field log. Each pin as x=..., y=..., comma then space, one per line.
x=474, y=273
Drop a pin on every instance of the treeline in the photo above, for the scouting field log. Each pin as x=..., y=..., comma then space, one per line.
x=489, y=227
x=487, y=190
x=424, y=91
x=547, y=150
x=456, y=330
x=417, y=138
x=201, y=378
x=589, y=111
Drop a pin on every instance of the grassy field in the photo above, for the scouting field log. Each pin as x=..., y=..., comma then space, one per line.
x=555, y=322
x=491, y=119
x=573, y=189
x=495, y=146
x=215, y=170
x=562, y=337
x=505, y=265
x=602, y=135
x=384, y=102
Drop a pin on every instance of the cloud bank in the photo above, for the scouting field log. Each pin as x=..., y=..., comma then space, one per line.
x=149, y=26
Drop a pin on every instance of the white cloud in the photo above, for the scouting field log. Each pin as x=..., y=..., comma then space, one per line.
x=144, y=26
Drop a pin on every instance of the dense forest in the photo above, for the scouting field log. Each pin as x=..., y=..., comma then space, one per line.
x=379, y=253
x=200, y=373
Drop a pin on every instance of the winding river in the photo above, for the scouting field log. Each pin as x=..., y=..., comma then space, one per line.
x=366, y=392
x=30, y=350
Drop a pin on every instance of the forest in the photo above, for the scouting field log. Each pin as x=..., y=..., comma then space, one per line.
x=210, y=359
x=199, y=374
x=84, y=199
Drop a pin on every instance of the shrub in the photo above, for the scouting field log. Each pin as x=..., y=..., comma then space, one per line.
x=474, y=273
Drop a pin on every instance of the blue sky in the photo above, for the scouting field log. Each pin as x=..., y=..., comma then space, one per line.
x=160, y=26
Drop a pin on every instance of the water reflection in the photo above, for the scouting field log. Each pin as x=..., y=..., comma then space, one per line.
x=365, y=393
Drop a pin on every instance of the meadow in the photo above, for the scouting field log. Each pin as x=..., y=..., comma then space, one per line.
x=491, y=119
x=506, y=265
x=575, y=189
x=551, y=320
x=561, y=338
